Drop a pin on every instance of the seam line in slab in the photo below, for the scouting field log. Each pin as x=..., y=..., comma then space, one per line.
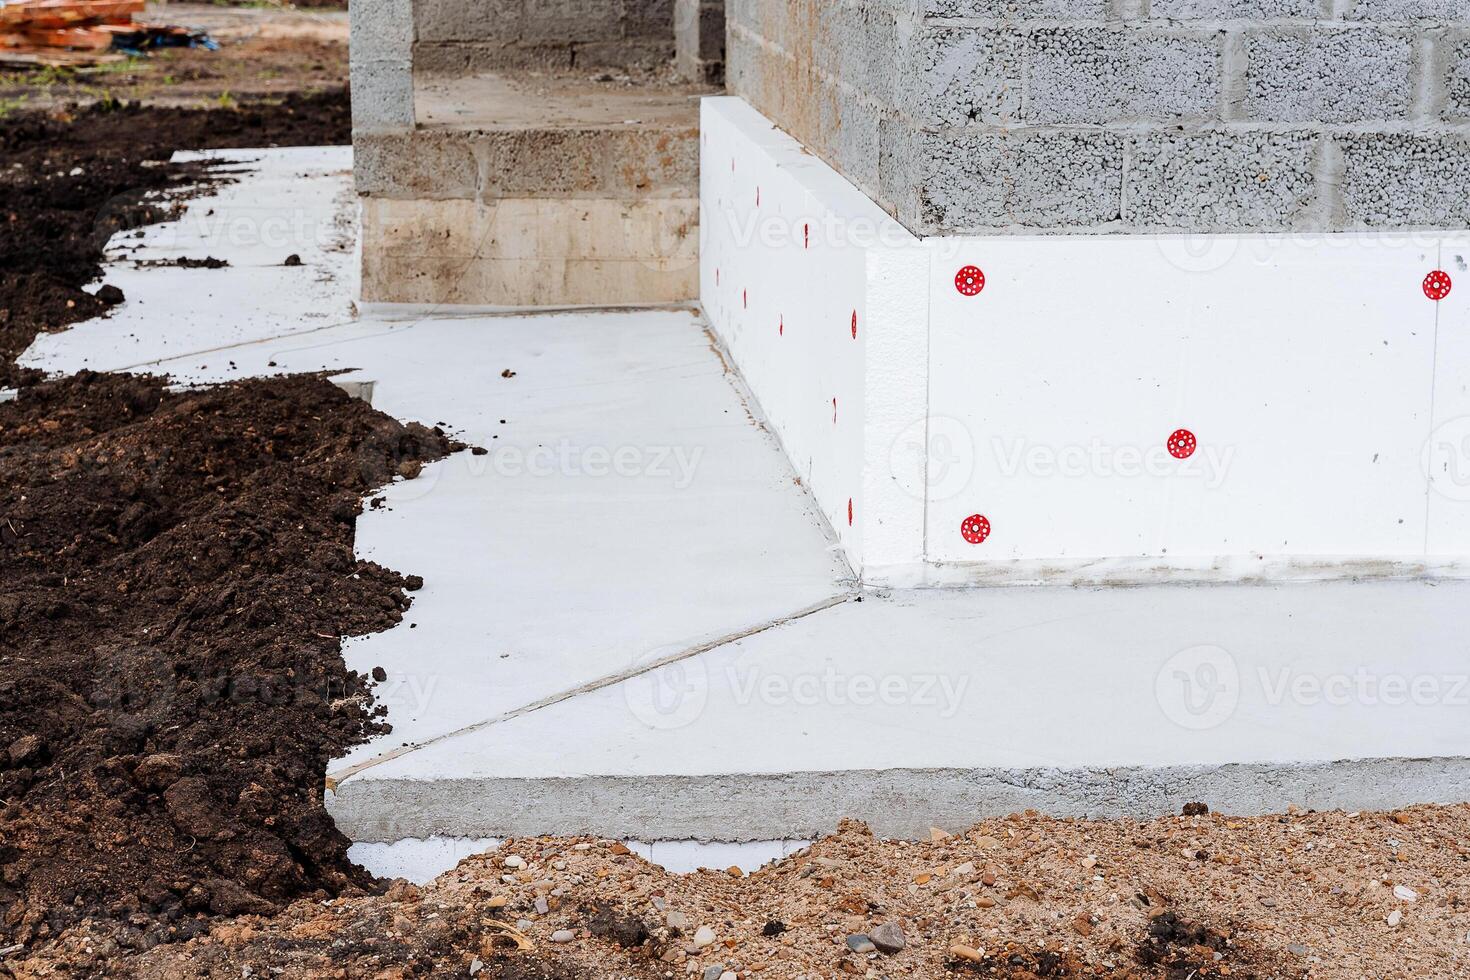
x=342, y=775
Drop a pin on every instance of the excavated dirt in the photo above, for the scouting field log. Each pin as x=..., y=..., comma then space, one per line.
x=178, y=569
x=1328, y=896
x=71, y=178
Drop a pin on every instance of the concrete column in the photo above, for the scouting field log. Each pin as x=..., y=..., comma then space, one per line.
x=699, y=40
x=382, y=65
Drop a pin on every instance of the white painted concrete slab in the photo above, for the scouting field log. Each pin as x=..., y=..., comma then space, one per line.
x=942, y=705
x=283, y=202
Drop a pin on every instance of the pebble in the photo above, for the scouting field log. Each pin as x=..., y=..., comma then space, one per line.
x=525, y=925
x=860, y=943
x=563, y=936
x=677, y=920
x=714, y=971
x=703, y=936
x=514, y=861
x=962, y=952
x=1405, y=894
x=1395, y=917
x=542, y=906
x=476, y=965
x=1297, y=948
x=888, y=938
x=968, y=868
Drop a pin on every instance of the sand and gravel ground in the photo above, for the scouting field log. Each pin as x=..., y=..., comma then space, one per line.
x=1319, y=895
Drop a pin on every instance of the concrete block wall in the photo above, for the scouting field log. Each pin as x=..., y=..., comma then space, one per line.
x=456, y=36
x=1124, y=115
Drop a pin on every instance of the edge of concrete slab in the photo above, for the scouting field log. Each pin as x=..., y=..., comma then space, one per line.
x=897, y=803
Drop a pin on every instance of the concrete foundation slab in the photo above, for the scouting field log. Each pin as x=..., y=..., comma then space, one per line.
x=635, y=624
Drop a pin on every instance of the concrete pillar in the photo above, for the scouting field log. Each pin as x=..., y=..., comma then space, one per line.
x=699, y=40
x=382, y=65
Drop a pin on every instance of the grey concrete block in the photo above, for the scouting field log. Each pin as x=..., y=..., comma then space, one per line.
x=467, y=20
x=1390, y=10
x=647, y=18
x=1104, y=75
x=1457, y=83
x=974, y=181
x=849, y=126
x=1317, y=75
x=962, y=75
x=1396, y=180
x=1017, y=9
x=699, y=37
x=382, y=94
x=569, y=21
x=1224, y=9
x=382, y=29
x=1221, y=180
x=423, y=164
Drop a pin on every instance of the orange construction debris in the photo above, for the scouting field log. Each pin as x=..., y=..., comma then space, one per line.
x=33, y=28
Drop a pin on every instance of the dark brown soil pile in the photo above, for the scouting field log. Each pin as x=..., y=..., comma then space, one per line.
x=71, y=179
x=177, y=569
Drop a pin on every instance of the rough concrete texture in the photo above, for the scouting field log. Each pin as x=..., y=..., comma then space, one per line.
x=441, y=164
x=1105, y=75
x=382, y=65
x=964, y=116
x=482, y=34
x=530, y=251
x=896, y=803
x=699, y=40
x=1252, y=180
x=1313, y=76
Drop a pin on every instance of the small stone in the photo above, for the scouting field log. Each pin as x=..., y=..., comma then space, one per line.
x=1270, y=903
x=476, y=965
x=728, y=975
x=677, y=920
x=1297, y=949
x=110, y=295
x=1395, y=917
x=514, y=861
x=888, y=938
x=1405, y=894
x=860, y=943
x=524, y=925
x=968, y=868
x=542, y=906
x=1196, y=809
x=292, y=260
x=703, y=936
x=26, y=750
x=734, y=871
x=563, y=936
x=962, y=952
x=1082, y=924
x=713, y=971
x=936, y=835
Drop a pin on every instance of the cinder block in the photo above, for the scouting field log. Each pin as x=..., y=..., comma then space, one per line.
x=1400, y=180
x=570, y=21
x=1104, y=75
x=1017, y=9
x=382, y=94
x=962, y=75
x=1457, y=83
x=1223, y=9
x=646, y=18
x=467, y=20
x=976, y=181
x=422, y=164
x=1221, y=180
x=1386, y=10
x=1316, y=75
x=382, y=29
